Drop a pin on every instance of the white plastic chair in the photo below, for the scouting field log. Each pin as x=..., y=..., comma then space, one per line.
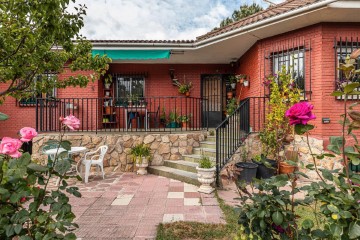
x=97, y=160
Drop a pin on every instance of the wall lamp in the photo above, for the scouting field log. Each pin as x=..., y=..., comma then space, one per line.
x=172, y=74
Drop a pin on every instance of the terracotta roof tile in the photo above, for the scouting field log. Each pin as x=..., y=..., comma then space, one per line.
x=267, y=13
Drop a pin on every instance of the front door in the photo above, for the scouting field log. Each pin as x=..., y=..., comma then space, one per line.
x=212, y=88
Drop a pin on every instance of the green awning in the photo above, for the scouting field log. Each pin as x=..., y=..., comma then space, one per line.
x=133, y=54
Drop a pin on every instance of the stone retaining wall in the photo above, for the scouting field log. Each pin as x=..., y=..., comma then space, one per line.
x=253, y=147
x=163, y=146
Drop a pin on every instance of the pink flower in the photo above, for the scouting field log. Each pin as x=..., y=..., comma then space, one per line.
x=71, y=122
x=300, y=113
x=10, y=146
x=27, y=134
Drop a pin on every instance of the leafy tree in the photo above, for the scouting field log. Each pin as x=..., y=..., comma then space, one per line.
x=243, y=12
x=39, y=37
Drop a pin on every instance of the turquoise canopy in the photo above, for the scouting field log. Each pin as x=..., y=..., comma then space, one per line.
x=133, y=54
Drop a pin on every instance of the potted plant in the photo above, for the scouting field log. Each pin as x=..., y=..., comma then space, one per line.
x=206, y=174
x=184, y=119
x=246, y=83
x=173, y=120
x=140, y=154
x=241, y=78
x=247, y=169
x=284, y=166
x=231, y=107
x=184, y=88
x=232, y=81
x=266, y=167
x=107, y=85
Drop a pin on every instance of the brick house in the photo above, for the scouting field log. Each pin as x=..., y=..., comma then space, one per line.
x=311, y=35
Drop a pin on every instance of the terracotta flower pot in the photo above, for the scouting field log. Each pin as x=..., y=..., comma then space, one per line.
x=285, y=168
x=187, y=94
x=229, y=95
x=185, y=124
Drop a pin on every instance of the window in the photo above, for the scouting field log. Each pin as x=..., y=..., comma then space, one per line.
x=31, y=101
x=344, y=48
x=126, y=86
x=293, y=60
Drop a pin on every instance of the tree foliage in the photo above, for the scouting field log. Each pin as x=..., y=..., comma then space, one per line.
x=243, y=12
x=42, y=37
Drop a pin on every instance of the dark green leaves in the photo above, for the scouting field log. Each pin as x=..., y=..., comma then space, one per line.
x=278, y=218
x=3, y=117
x=37, y=167
x=335, y=144
x=301, y=129
x=307, y=224
x=354, y=230
x=350, y=87
x=66, y=145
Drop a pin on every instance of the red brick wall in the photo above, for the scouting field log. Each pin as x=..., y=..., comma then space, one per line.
x=320, y=60
x=158, y=83
x=21, y=116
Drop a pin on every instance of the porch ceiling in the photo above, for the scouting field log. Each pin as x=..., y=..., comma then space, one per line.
x=230, y=46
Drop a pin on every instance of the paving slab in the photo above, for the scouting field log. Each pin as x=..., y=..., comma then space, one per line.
x=130, y=206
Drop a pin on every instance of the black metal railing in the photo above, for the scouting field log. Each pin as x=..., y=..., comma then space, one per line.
x=123, y=114
x=232, y=132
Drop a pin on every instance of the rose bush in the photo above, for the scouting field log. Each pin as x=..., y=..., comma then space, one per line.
x=28, y=210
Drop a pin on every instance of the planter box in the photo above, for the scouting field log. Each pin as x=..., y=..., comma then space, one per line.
x=173, y=125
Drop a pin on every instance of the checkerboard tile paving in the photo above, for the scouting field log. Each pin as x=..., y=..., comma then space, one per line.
x=129, y=206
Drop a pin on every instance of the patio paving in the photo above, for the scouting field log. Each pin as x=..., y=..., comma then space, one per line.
x=130, y=206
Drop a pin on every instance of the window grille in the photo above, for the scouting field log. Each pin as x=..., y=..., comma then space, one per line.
x=343, y=48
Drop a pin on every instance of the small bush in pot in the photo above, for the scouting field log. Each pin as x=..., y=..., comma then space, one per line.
x=140, y=154
x=247, y=169
x=266, y=167
x=206, y=174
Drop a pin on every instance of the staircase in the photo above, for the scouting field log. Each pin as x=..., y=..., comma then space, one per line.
x=185, y=170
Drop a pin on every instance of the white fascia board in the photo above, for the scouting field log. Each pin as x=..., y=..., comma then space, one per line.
x=345, y=4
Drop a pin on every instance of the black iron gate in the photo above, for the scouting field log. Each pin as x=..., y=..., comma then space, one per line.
x=212, y=89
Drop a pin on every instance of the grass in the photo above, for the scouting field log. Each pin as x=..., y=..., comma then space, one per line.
x=204, y=231
x=199, y=231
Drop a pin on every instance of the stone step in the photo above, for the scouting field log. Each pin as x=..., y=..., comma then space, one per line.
x=208, y=144
x=181, y=165
x=180, y=175
x=210, y=139
x=205, y=151
x=196, y=158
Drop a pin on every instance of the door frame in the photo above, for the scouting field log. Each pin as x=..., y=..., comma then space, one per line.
x=222, y=95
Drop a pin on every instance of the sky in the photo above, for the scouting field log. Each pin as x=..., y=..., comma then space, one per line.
x=156, y=19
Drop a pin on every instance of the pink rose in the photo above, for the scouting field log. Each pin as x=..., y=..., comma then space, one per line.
x=71, y=122
x=27, y=134
x=300, y=113
x=10, y=146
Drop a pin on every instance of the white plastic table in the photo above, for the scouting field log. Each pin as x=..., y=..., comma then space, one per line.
x=53, y=152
